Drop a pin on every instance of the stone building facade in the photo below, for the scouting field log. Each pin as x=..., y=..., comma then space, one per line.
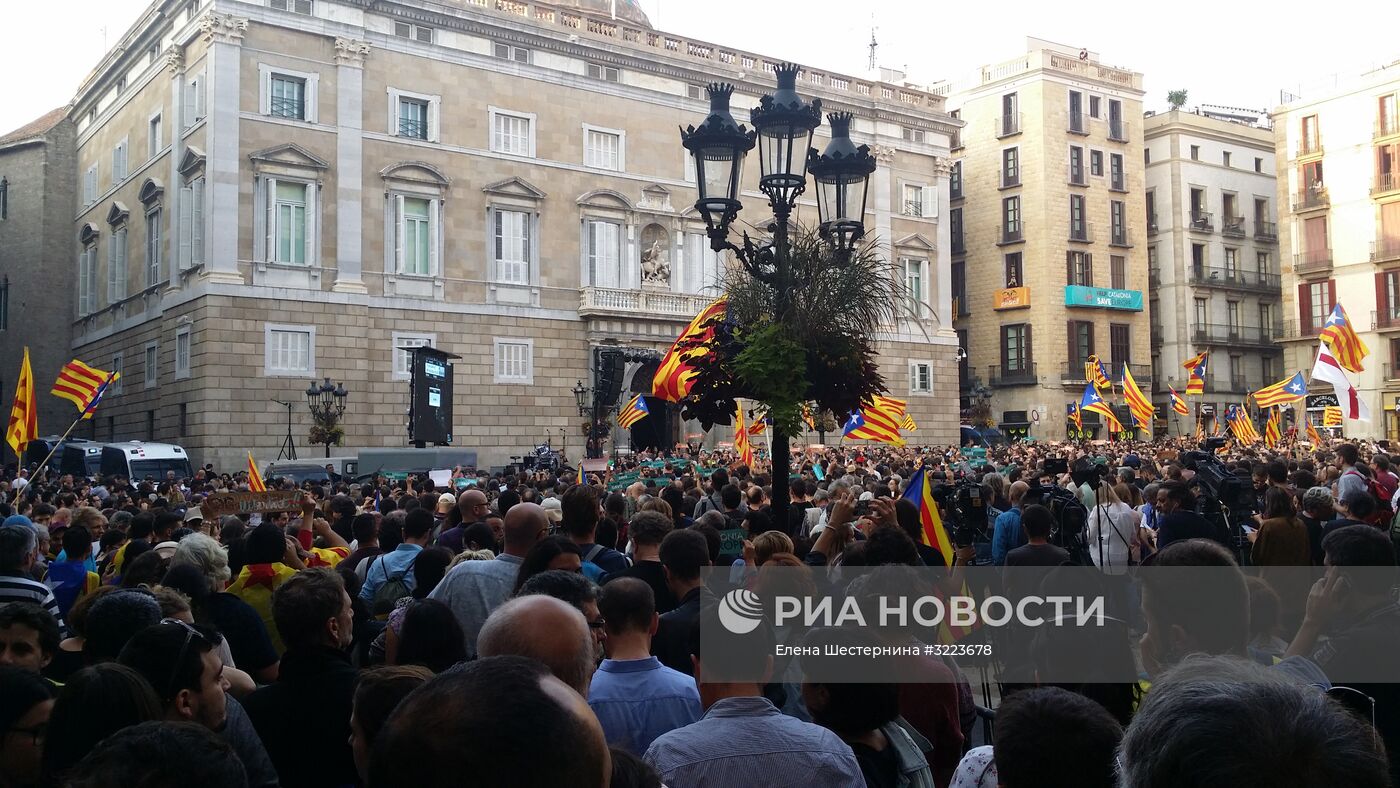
x=36, y=260
x=301, y=188
x=1212, y=256
x=1049, y=263
x=1339, y=221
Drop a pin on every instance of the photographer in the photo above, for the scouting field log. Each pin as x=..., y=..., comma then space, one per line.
x=1178, y=519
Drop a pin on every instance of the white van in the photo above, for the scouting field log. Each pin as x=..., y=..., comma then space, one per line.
x=139, y=461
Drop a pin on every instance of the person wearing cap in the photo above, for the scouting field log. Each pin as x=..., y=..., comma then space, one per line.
x=554, y=510
x=194, y=519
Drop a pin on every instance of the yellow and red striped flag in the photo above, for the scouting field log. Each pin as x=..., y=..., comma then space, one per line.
x=255, y=479
x=82, y=385
x=1332, y=416
x=1179, y=403
x=634, y=411
x=1200, y=429
x=1095, y=373
x=909, y=425
x=1077, y=416
x=1196, y=383
x=1273, y=428
x=1138, y=402
x=807, y=417
x=1341, y=337
x=24, y=413
x=1313, y=436
x=676, y=373
x=741, y=437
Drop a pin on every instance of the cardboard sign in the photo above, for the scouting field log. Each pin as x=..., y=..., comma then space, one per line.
x=1011, y=298
x=220, y=504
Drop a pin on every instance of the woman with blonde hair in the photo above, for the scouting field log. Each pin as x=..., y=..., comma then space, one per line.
x=1114, y=543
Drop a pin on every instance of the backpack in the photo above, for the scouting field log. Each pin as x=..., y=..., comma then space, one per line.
x=394, y=588
x=1384, y=514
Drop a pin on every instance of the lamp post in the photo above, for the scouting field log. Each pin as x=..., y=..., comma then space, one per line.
x=583, y=396
x=783, y=126
x=327, y=403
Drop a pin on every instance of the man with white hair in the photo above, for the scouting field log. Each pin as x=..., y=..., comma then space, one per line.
x=19, y=549
x=545, y=629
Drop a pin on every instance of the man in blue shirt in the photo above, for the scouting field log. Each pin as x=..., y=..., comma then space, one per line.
x=1007, y=534
x=744, y=739
x=417, y=529
x=634, y=696
x=581, y=513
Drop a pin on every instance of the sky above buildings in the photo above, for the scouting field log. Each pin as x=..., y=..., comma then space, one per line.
x=1234, y=54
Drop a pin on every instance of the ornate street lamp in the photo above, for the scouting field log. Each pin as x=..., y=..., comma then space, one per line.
x=783, y=126
x=842, y=173
x=581, y=393
x=327, y=404
x=718, y=146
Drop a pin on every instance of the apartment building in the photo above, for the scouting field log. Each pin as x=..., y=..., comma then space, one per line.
x=1339, y=207
x=1049, y=263
x=1212, y=255
x=282, y=191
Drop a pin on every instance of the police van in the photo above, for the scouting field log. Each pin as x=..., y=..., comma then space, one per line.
x=139, y=461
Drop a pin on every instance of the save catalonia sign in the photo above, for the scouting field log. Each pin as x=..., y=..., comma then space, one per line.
x=1103, y=298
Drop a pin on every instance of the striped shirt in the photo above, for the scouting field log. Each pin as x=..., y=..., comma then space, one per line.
x=15, y=588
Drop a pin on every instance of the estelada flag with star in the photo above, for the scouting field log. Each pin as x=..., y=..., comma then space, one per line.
x=1346, y=345
x=1093, y=403
x=1179, y=404
x=1196, y=384
x=1284, y=392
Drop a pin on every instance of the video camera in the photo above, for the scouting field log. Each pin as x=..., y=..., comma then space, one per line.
x=1222, y=498
x=1071, y=518
x=966, y=509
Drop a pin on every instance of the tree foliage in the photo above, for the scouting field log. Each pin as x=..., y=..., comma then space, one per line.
x=1177, y=98
x=821, y=351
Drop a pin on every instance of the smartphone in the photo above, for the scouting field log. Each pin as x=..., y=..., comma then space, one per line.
x=863, y=508
x=1247, y=529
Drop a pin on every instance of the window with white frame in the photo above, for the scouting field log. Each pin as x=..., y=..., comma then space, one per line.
x=154, y=139
x=416, y=32
x=182, y=352
x=515, y=360
x=914, y=284
x=689, y=168
x=152, y=364
x=605, y=73
x=90, y=186
x=603, y=148
x=192, y=110
x=116, y=385
x=701, y=271
x=289, y=221
x=604, y=252
x=119, y=169
x=191, y=241
x=153, y=256
x=512, y=132
x=289, y=351
x=403, y=359
x=116, y=266
x=511, y=246
x=919, y=201
x=416, y=250
x=288, y=94
x=414, y=116
x=920, y=378
x=295, y=6
x=87, y=278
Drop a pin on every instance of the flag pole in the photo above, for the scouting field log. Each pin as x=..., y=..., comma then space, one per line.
x=43, y=466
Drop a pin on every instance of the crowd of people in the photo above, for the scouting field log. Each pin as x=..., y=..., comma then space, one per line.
x=531, y=629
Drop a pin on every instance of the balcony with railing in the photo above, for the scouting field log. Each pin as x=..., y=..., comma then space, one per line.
x=1310, y=146
x=1073, y=374
x=1227, y=384
x=1202, y=221
x=641, y=303
x=1311, y=199
x=1010, y=180
x=958, y=243
x=1234, y=335
x=1018, y=375
x=1266, y=231
x=1008, y=125
x=1385, y=250
x=1387, y=127
x=1233, y=227
x=1154, y=276
x=1118, y=130
x=1234, y=279
x=1081, y=232
x=1119, y=236
x=286, y=107
x=1156, y=336
x=1078, y=123
x=955, y=141
x=1385, y=183
x=1390, y=371
x=1152, y=224
x=1011, y=234
x=1077, y=175
x=1293, y=329
x=1386, y=319
x=413, y=128
x=1117, y=182
x=1312, y=262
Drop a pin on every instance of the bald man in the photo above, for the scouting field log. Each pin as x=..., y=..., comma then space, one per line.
x=475, y=588
x=471, y=508
x=1006, y=533
x=545, y=629
x=474, y=725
